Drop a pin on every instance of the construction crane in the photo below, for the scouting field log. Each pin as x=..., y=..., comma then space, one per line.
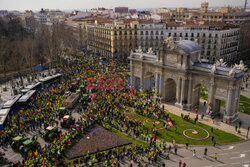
x=245, y=6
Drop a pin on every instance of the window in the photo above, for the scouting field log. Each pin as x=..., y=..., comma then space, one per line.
x=141, y=32
x=169, y=34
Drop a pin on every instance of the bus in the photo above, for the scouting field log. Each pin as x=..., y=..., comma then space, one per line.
x=36, y=86
x=3, y=116
x=26, y=98
x=50, y=79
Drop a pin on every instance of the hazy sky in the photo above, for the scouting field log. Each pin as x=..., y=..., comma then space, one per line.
x=86, y=4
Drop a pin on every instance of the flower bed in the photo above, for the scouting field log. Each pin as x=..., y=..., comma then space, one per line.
x=97, y=140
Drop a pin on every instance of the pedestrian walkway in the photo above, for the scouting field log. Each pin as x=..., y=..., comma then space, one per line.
x=246, y=86
x=206, y=120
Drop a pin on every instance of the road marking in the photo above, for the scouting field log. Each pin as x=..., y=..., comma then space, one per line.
x=209, y=166
x=241, y=156
x=229, y=148
x=246, y=165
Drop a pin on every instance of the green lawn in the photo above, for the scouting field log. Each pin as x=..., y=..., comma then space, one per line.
x=244, y=104
x=221, y=137
x=134, y=141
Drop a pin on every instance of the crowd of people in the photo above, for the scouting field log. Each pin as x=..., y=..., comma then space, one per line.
x=106, y=84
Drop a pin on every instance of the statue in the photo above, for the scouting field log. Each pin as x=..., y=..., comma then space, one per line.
x=232, y=71
x=170, y=43
x=139, y=50
x=214, y=68
x=221, y=63
x=196, y=40
x=240, y=66
x=131, y=53
x=150, y=51
x=199, y=57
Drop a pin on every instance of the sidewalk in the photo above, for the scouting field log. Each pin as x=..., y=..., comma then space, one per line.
x=206, y=120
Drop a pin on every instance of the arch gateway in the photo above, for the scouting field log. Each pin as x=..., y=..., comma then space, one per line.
x=177, y=74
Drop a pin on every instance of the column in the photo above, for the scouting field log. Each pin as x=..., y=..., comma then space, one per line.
x=160, y=84
x=178, y=91
x=190, y=91
x=230, y=103
x=156, y=83
x=142, y=78
x=183, y=86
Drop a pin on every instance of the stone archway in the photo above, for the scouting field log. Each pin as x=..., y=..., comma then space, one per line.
x=170, y=90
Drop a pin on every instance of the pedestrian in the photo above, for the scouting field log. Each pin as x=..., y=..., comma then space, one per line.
x=184, y=164
x=194, y=153
x=247, y=132
x=169, y=148
x=212, y=138
x=236, y=127
x=212, y=130
x=180, y=163
x=202, y=116
x=204, y=103
x=239, y=124
x=205, y=152
x=175, y=150
x=239, y=130
x=187, y=145
x=215, y=156
x=214, y=143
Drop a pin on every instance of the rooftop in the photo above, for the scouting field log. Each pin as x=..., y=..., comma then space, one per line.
x=188, y=46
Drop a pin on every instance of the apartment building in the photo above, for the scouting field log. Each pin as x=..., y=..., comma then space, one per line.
x=116, y=38
x=217, y=39
x=151, y=34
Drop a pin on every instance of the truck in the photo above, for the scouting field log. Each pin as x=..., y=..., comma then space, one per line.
x=51, y=133
x=17, y=142
x=67, y=121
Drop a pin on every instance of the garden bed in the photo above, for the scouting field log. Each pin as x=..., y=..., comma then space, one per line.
x=97, y=140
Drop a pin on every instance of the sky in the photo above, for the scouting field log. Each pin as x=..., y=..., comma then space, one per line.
x=88, y=4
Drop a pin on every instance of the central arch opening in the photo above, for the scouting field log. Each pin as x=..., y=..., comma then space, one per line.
x=170, y=90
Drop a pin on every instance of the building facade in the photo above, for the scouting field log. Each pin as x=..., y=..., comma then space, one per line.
x=114, y=39
x=218, y=41
x=151, y=34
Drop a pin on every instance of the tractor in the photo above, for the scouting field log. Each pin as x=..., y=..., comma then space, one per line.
x=17, y=142
x=51, y=133
x=29, y=146
x=67, y=121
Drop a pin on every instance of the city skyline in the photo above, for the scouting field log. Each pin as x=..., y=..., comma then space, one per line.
x=87, y=4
